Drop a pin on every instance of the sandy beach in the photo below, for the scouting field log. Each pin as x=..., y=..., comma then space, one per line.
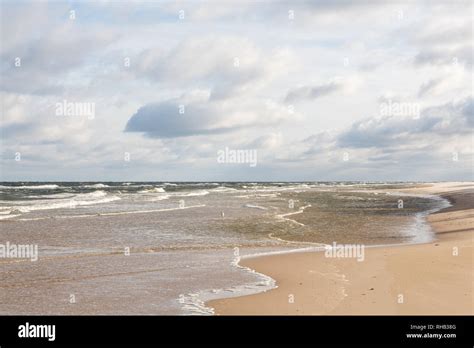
x=417, y=279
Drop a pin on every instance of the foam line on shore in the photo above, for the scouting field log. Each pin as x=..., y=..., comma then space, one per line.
x=113, y=213
x=202, y=299
x=196, y=303
x=284, y=216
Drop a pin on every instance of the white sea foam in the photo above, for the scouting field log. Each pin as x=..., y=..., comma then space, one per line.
x=261, y=195
x=158, y=198
x=52, y=196
x=284, y=216
x=195, y=303
x=254, y=206
x=150, y=211
x=223, y=189
x=96, y=186
x=420, y=230
x=191, y=194
x=30, y=187
x=4, y=217
x=81, y=199
x=113, y=213
x=153, y=190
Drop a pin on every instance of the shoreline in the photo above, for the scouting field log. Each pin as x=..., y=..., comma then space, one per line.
x=392, y=279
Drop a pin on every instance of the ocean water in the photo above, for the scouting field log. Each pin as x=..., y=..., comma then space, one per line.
x=166, y=248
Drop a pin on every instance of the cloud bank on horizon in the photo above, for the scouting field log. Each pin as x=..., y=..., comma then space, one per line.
x=321, y=90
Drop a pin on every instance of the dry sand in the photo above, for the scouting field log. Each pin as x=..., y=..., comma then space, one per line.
x=433, y=278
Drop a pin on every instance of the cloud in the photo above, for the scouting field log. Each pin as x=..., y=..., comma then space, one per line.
x=228, y=65
x=429, y=86
x=272, y=141
x=310, y=93
x=446, y=37
x=452, y=83
x=391, y=131
x=202, y=116
x=40, y=61
x=443, y=56
x=307, y=93
x=235, y=68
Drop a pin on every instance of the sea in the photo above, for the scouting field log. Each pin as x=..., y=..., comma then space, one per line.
x=166, y=248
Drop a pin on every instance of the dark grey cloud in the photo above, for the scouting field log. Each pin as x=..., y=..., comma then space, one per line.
x=445, y=120
x=318, y=143
x=201, y=117
x=14, y=130
x=468, y=113
x=163, y=120
x=429, y=86
x=445, y=35
x=310, y=93
x=443, y=56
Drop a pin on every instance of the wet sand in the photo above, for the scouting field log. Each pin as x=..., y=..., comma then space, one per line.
x=432, y=278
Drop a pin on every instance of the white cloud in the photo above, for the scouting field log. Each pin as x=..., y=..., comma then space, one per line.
x=236, y=69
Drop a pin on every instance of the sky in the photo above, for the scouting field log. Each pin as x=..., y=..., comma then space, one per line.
x=316, y=90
